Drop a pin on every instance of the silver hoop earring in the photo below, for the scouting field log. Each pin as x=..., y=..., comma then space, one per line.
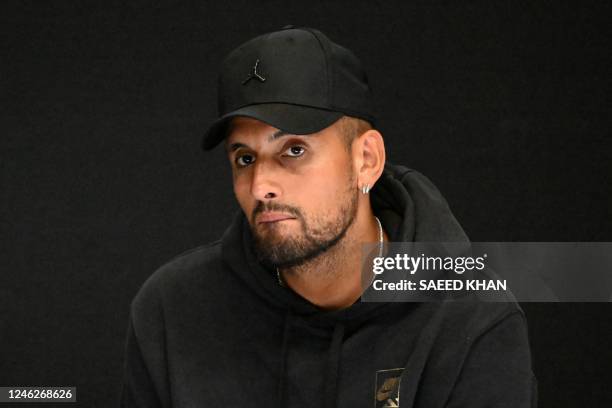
x=365, y=189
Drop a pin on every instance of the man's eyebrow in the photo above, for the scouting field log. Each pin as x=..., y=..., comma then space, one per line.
x=235, y=146
x=274, y=136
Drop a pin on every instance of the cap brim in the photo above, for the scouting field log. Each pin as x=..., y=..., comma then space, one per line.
x=294, y=119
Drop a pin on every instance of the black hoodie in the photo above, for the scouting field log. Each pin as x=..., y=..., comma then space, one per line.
x=213, y=328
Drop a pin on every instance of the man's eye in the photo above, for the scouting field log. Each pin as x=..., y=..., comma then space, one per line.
x=295, y=151
x=244, y=160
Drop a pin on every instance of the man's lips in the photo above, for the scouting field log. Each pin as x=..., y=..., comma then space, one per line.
x=272, y=216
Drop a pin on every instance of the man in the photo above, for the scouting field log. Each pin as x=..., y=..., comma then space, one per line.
x=271, y=315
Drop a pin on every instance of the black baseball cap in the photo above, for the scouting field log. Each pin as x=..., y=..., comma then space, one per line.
x=295, y=79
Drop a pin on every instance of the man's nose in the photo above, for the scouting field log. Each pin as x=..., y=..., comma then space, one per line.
x=264, y=185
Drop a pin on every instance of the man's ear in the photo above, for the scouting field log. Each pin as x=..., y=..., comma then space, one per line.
x=369, y=157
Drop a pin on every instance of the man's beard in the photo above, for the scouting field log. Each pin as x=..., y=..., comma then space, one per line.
x=277, y=251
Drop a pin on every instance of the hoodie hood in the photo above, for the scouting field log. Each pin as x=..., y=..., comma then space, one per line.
x=412, y=209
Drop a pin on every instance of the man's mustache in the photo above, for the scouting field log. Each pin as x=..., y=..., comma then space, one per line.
x=270, y=206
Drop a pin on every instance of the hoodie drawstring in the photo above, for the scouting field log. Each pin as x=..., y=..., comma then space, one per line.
x=282, y=399
x=333, y=364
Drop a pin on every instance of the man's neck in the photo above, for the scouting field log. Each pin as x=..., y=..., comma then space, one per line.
x=333, y=280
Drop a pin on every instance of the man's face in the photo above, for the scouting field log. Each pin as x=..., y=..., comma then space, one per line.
x=298, y=192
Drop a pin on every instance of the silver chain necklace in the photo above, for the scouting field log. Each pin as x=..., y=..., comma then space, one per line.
x=380, y=249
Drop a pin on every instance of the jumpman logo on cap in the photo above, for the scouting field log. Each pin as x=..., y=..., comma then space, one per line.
x=254, y=74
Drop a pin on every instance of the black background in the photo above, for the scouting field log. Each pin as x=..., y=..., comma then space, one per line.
x=504, y=105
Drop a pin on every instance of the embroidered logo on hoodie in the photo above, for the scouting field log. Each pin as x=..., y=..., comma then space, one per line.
x=387, y=393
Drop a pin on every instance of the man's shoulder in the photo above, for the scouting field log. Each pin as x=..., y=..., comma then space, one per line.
x=182, y=274
x=470, y=319
x=192, y=260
